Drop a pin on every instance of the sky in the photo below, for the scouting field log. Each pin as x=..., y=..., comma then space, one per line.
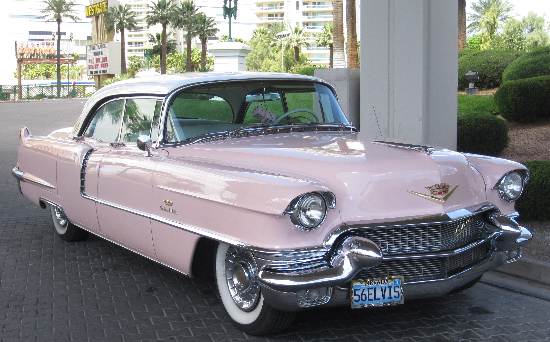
x=7, y=63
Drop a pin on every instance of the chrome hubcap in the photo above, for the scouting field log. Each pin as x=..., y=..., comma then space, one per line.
x=61, y=220
x=240, y=274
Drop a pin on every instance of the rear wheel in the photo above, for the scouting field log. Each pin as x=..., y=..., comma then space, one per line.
x=65, y=229
x=241, y=294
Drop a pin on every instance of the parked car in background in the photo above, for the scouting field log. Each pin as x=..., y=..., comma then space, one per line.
x=259, y=181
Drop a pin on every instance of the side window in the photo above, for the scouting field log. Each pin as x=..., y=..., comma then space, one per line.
x=139, y=116
x=105, y=125
x=194, y=114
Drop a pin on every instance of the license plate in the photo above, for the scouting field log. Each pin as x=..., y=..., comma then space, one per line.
x=377, y=292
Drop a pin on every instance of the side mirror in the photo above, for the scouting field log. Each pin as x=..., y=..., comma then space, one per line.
x=144, y=143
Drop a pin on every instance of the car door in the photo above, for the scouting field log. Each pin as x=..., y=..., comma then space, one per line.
x=125, y=180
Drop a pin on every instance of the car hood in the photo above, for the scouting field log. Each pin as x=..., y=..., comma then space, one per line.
x=372, y=181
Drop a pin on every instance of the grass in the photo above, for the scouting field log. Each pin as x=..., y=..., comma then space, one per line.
x=472, y=104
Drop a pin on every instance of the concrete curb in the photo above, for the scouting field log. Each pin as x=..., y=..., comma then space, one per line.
x=528, y=268
x=516, y=284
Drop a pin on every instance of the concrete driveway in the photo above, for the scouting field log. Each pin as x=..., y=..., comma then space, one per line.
x=51, y=290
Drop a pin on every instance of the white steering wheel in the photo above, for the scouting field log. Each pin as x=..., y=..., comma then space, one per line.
x=298, y=110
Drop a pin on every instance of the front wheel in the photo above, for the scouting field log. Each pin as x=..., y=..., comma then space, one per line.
x=241, y=294
x=65, y=229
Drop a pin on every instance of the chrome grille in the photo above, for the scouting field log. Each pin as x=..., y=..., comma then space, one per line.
x=425, y=269
x=425, y=238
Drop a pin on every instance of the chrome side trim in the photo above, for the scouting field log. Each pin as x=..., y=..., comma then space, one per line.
x=186, y=227
x=114, y=242
x=30, y=178
x=419, y=148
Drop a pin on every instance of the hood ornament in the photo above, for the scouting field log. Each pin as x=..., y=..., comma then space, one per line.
x=439, y=193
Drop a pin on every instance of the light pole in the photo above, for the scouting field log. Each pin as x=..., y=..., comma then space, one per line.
x=281, y=36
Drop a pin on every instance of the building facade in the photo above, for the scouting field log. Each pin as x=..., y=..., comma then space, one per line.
x=312, y=15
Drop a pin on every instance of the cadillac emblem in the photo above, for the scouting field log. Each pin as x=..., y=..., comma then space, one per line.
x=438, y=192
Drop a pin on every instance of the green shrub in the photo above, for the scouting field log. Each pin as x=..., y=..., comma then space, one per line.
x=488, y=63
x=482, y=133
x=535, y=201
x=531, y=64
x=307, y=70
x=525, y=100
x=468, y=104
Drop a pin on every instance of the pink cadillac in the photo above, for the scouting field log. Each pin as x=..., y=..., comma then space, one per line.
x=259, y=181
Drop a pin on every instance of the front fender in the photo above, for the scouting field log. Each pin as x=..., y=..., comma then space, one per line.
x=492, y=169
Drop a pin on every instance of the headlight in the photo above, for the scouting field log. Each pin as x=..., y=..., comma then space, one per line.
x=308, y=211
x=511, y=186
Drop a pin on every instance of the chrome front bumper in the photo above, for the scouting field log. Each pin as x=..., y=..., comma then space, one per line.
x=285, y=290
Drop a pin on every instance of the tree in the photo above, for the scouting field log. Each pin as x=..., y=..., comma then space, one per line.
x=351, y=46
x=296, y=40
x=56, y=10
x=523, y=35
x=487, y=17
x=206, y=27
x=161, y=12
x=324, y=38
x=187, y=20
x=156, y=40
x=535, y=31
x=338, y=33
x=119, y=19
x=267, y=50
x=461, y=24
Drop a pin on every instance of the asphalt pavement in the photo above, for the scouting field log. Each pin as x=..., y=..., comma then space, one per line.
x=51, y=290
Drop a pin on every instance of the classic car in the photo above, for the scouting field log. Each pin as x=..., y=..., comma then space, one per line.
x=259, y=182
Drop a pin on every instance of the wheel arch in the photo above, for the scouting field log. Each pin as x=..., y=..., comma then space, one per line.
x=204, y=257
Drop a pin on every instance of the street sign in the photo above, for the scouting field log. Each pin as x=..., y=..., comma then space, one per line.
x=97, y=8
x=103, y=59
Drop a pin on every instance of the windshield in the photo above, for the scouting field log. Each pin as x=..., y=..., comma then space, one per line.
x=223, y=107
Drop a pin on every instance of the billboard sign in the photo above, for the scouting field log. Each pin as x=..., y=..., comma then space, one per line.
x=97, y=8
x=103, y=59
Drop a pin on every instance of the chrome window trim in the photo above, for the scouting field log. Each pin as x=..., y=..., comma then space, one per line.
x=86, y=122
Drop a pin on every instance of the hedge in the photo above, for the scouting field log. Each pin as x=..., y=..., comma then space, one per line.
x=525, y=100
x=531, y=64
x=488, y=63
x=307, y=70
x=482, y=133
x=534, y=204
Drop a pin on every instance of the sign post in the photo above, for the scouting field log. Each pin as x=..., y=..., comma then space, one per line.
x=98, y=11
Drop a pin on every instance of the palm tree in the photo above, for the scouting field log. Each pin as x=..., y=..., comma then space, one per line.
x=296, y=40
x=461, y=24
x=187, y=20
x=351, y=46
x=338, y=33
x=206, y=27
x=56, y=10
x=486, y=18
x=156, y=40
x=119, y=19
x=161, y=12
x=325, y=39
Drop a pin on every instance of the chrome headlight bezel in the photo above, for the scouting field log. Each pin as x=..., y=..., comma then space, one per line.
x=502, y=183
x=296, y=211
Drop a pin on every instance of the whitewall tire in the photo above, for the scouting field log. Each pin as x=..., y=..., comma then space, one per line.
x=64, y=228
x=241, y=295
